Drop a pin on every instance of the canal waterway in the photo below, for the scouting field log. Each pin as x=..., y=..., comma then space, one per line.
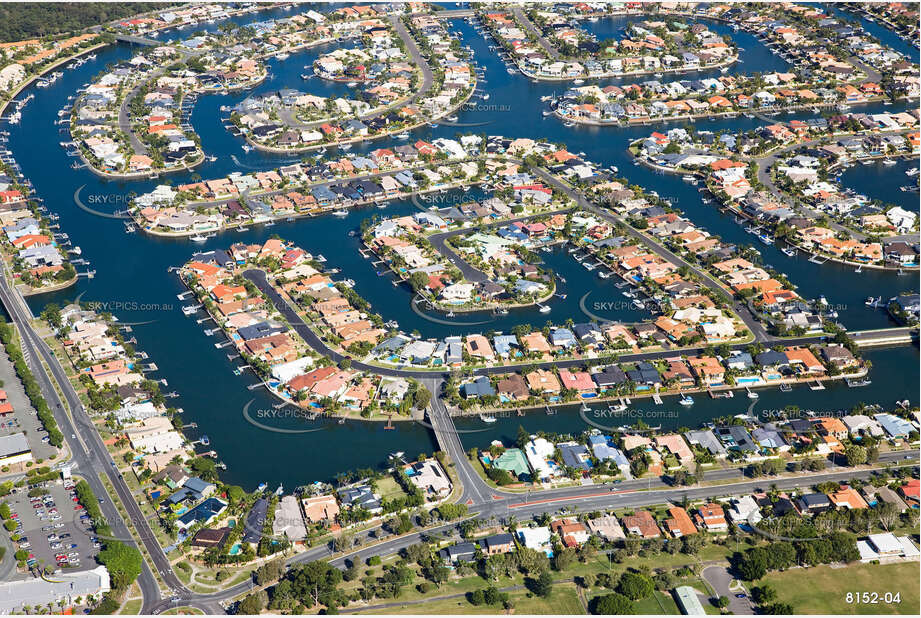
x=133, y=283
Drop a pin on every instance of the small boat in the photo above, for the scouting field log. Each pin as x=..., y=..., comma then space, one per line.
x=487, y=419
x=544, y=308
x=246, y=147
x=450, y=314
x=340, y=213
x=403, y=136
x=751, y=394
x=198, y=238
x=283, y=56
x=788, y=251
x=889, y=161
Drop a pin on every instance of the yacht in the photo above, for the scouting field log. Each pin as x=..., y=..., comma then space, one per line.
x=197, y=238
x=283, y=56
x=246, y=147
x=686, y=400
x=889, y=161
x=340, y=213
x=544, y=308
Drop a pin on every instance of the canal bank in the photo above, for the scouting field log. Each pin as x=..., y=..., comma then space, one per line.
x=132, y=272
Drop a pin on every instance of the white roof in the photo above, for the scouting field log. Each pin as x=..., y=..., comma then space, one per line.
x=885, y=543
x=34, y=591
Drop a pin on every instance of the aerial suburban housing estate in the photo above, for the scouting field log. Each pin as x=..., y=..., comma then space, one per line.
x=437, y=308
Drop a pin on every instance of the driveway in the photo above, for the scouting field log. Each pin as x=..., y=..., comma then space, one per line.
x=720, y=579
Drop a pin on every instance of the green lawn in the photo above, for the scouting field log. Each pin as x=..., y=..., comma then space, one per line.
x=389, y=489
x=823, y=590
x=562, y=601
x=132, y=607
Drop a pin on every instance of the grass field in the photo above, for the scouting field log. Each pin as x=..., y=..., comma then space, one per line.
x=132, y=607
x=389, y=489
x=564, y=600
x=823, y=590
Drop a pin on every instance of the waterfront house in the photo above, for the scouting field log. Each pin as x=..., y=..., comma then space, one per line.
x=320, y=509
x=676, y=446
x=288, y=521
x=479, y=387
x=706, y=439
x=513, y=387
x=894, y=426
x=543, y=381
x=575, y=455
x=430, y=478
x=539, y=453
x=513, y=461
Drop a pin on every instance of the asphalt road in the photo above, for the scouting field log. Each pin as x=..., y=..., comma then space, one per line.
x=523, y=19
x=766, y=163
x=711, y=282
x=482, y=500
x=440, y=243
x=89, y=454
x=288, y=115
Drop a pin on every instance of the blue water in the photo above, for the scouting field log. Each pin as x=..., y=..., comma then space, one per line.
x=132, y=270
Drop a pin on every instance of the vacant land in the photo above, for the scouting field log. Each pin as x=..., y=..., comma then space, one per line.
x=823, y=590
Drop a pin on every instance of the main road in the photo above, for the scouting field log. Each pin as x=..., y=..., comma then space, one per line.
x=523, y=507
x=428, y=79
x=89, y=455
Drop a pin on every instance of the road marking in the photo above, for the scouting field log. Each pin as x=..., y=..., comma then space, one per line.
x=578, y=497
